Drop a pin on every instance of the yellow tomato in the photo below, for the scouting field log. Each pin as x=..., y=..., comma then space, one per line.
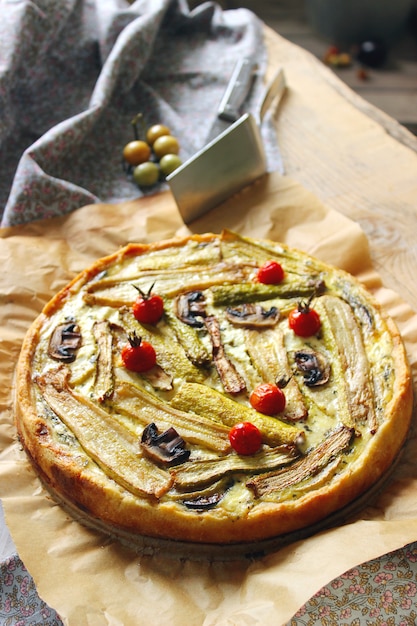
x=169, y=163
x=136, y=152
x=146, y=174
x=167, y=144
x=156, y=131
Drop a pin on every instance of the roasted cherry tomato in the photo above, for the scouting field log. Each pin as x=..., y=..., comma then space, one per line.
x=270, y=273
x=267, y=398
x=245, y=438
x=148, y=307
x=304, y=320
x=138, y=355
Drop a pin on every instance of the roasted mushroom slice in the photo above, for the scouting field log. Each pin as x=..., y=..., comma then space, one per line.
x=167, y=448
x=232, y=381
x=203, y=503
x=64, y=342
x=253, y=316
x=313, y=365
x=190, y=308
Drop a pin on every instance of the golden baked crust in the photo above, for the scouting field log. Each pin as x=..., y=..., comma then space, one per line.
x=80, y=414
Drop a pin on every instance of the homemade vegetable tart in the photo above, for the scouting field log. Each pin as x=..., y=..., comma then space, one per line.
x=212, y=389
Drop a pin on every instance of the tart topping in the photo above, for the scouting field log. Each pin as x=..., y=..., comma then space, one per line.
x=253, y=316
x=228, y=294
x=270, y=273
x=306, y=467
x=104, y=383
x=268, y=398
x=314, y=367
x=206, y=473
x=304, y=320
x=148, y=307
x=138, y=355
x=231, y=379
x=353, y=362
x=135, y=402
x=190, y=308
x=216, y=406
x=203, y=503
x=107, y=442
x=245, y=438
x=64, y=342
x=268, y=352
x=167, y=448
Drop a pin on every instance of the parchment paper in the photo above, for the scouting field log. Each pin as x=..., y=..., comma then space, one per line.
x=92, y=580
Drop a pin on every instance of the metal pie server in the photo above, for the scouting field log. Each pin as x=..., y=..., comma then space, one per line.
x=234, y=97
x=226, y=164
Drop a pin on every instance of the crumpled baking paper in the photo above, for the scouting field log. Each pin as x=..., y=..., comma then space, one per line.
x=90, y=579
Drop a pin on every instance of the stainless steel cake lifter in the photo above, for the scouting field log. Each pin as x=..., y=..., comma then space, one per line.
x=232, y=160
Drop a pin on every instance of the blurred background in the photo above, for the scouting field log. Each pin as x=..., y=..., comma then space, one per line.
x=370, y=44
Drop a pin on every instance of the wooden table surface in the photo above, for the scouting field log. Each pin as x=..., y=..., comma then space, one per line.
x=353, y=157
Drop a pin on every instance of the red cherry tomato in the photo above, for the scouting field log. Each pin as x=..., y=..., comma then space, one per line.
x=245, y=438
x=270, y=273
x=138, y=355
x=267, y=398
x=304, y=321
x=148, y=307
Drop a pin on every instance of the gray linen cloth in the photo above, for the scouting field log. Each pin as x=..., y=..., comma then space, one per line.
x=74, y=73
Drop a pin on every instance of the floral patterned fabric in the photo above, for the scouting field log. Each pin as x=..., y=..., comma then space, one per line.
x=74, y=74
x=381, y=592
x=20, y=604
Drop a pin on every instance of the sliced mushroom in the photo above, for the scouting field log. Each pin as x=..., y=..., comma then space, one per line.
x=313, y=365
x=206, y=492
x=64, y=342
x=190, y=308
x=203, y=503
x=167, y=448
x=253, y=316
